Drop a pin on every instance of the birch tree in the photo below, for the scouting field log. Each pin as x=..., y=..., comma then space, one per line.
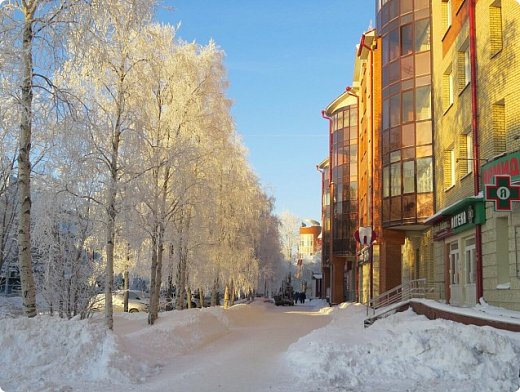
x=33, y=29
x=112, y=37
x=8, y=187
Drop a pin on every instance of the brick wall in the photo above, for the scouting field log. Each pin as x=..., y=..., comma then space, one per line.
x=499, y=127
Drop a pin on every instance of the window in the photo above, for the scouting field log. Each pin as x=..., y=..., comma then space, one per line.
x=446, y=14
x=464, y=68
x=394, y=45
x=424, y=175
x=454, y=262
x=449, y=168
x=423, y=104
x=386, y=49
x=408, y=135
x=447, y=89
x=465, y=154
x=408, y=177
x=422, y=35
x=395, y=110
x=406, y=39
x=395, y=178
x=386, y=181
x=502, y=250
x=386, y=114
x=407, y=107
x=499, y=127
x=495, y=27
x=471, y=265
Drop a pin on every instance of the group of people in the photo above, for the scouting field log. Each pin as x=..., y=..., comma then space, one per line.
x=301, y=297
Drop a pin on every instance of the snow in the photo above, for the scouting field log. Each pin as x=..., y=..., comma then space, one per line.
x=257, y=347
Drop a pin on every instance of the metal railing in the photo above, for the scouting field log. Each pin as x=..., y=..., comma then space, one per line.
x=412, y=289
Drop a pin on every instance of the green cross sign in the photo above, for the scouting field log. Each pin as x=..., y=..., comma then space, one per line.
x=502, y=193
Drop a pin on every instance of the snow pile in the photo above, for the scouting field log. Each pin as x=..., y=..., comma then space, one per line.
x=256, y=347
x=10, y=307
x=179, y=332
x=407, y=352
x=39, y=350
x=48, y=353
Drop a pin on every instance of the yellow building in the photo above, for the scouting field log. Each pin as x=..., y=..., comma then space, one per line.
x=498, y=81
x=476, y=71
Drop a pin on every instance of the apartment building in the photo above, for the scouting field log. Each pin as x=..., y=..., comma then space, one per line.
x=477, y=136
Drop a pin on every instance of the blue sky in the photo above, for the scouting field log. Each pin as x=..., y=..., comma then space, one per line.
x=286, y=61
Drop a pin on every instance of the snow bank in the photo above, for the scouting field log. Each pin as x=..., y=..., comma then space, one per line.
x=179, y=332
x=49, y=354
x=407, y=352
x=40, y=351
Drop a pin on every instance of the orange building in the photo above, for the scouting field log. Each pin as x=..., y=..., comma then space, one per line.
x=407, y=162
x=366, y=82
x=323, y=168
x=342, y=114
x=381, y=165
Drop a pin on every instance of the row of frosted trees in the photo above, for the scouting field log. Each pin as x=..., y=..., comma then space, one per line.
x=119, y=155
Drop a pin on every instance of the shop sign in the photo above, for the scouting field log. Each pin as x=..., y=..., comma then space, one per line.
x=502, y=193
x=460, y=221
x=442, y=230
x=507, y=165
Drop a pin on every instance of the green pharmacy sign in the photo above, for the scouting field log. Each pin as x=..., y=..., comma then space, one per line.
x=502, y=192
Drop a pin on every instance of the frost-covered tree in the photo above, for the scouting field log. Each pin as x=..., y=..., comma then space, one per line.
x=269, y=252
x=31, y=32
x=8, y=186
x=67, y=266
x=289, y=234
x=110, y=44
x=139, y=161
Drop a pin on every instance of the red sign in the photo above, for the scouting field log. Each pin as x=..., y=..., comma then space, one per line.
x=507, y=165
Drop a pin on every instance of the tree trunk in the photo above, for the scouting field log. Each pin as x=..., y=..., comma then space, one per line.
x=214, y=293
x=126, y=276
x=109, y=271
x=201, y=298
x=153, y=277
x=188, y=297
x=226, y=297
x=231, y=293
x=181, y=281
x=111, y=226
x=24, y=172
x=169, y=293
x=155, y=290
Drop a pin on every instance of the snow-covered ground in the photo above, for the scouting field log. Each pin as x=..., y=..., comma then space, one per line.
x=255, y=347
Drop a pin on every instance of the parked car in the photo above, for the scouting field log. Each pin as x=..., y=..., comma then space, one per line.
x=136, y=301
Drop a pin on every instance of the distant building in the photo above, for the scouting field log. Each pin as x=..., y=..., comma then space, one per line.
x=342, y=115
x=310, y=231
x=323, y=168
x=308, y=276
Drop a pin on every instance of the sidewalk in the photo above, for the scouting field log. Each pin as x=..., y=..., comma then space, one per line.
x=481, y=314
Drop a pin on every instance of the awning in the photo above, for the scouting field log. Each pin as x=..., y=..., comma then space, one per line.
x=454, y=208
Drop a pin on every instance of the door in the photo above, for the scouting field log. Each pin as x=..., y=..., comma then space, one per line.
x=470, y=272
x=456, y=289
